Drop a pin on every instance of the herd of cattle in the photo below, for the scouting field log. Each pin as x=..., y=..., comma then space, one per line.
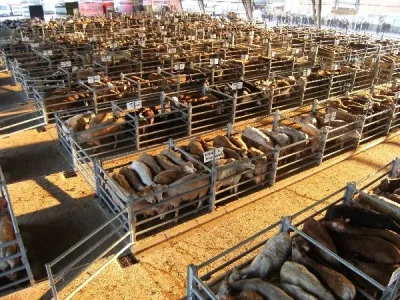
x=168, y=181
x=288, y=266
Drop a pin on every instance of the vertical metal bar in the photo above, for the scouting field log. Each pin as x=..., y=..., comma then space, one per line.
x=276, y=120
x=324, y=137
x=51, y=281
x=24, y=258
x=229, y=130
x=234, y=103
x=137, y=132
x=190, y=116
x=191, y=271
x=363, y=119
x=97, y=174
x=349, y=192
x=394, y=171
x=330, y=86
x=213, y=185
x=275, y=157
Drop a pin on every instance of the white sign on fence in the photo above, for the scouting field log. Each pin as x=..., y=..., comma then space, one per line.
x=106, y=58
x=48, y=52
x=180, y=66
x=330, y=117
x=213, y=36
x=114, y=45
x=306, y=72
x=93, y=39
x=134, y=105
x=245, y=56
x=93, y=79
x=397, y=95
x=237, y=85
x=218, y=153
x=172, y=50
x=213, y=61
x=65, y=64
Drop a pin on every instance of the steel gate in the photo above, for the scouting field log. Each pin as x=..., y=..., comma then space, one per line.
x=68, y=273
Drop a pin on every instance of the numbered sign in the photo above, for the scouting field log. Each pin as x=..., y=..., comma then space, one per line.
x=306, y=72
x=213, y=61
x=114, y=45
x=397, y=96
x=217, y=153
x=106, y=58
x=330, y=117
x=245, y=56
x=134, y=105
x=93, y=79
x=48, y=52
x=93, y=39
x=237, y=85
x=213, y=36
x=65, y=64
x=172, y=50
x=180, y=66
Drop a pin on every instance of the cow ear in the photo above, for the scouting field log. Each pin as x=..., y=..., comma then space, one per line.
x=347, y=220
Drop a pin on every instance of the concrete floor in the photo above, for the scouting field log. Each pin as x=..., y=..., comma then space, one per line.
x=54, y=213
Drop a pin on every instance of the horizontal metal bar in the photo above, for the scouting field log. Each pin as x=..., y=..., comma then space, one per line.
x=82, y=241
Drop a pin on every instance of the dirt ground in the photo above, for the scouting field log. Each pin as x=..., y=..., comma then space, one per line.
x=54, y=213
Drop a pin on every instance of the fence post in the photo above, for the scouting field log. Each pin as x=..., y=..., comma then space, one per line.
x=349, y=192
x=363, y=118
x=97, y=174
x=353, y=81
x=275, y=163
x=285, y=224
x=394, y=171
x=192, y=271
x=330, y=86
x=137, y=132
x=228, y=130
x=213, y=185
x=24, y=258
x=276, y=120
x=234, y=103
x=51, y=281
x=271, y=99
x=324, y=137
x=190, y=116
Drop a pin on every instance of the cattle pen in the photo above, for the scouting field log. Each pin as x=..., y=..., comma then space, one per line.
x=148, y=153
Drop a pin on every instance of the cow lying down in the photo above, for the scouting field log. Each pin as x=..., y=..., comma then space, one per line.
x=158, y=184
x=289, y=267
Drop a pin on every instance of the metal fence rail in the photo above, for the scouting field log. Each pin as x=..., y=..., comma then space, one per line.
x=19, y=274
